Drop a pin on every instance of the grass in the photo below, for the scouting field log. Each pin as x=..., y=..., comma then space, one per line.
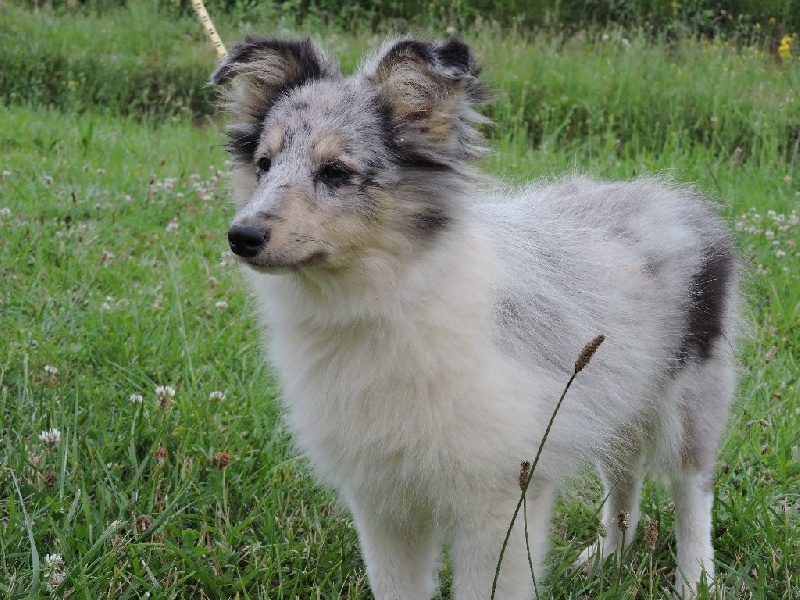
x=112, y=257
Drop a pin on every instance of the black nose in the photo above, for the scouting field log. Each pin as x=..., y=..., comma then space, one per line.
x=247, y=241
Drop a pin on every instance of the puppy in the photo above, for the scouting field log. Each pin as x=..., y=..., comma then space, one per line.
x=423, y=322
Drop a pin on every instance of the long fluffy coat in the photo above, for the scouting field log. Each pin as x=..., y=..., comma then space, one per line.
x=422, y=325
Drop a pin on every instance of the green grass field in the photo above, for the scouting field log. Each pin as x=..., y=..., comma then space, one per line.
x=116, y=280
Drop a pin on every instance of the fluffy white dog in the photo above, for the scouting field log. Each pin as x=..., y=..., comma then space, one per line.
x=422, y=325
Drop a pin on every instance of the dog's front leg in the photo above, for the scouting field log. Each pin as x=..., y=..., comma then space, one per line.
x=477, y=543
x=401, y=562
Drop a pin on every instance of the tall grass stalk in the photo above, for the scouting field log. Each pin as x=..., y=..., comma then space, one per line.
x=526, y=474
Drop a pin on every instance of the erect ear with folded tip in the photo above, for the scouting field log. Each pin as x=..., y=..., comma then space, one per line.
x=262, y=70
x=274, y=62
x=431, y=89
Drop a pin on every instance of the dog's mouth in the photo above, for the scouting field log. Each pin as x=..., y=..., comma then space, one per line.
x=253, y=246
x=264, y=264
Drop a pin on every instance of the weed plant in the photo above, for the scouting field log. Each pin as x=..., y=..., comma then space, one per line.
x=116, y=281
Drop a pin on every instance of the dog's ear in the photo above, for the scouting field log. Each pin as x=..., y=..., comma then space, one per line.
x=431, y=89
x=262, y=70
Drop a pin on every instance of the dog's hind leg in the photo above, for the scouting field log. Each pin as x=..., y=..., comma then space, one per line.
x=707, y=388
x=622, y=484
x=693, y=496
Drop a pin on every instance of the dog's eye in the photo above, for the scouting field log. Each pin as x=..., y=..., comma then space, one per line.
x=262, y=166
x=335, y=173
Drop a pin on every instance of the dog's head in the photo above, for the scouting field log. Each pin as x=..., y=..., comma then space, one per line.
x=330, y=168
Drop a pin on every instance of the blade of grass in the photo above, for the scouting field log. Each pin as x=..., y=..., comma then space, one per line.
x=29, y=528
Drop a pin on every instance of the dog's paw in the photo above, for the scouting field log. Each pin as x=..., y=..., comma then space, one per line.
x=594, y=555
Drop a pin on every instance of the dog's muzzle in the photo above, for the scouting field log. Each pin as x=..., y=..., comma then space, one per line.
x=247, y=241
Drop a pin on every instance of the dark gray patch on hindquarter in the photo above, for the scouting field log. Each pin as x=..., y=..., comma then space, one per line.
x=706, y=306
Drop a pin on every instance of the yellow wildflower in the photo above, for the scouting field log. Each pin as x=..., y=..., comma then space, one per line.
x=785, y=47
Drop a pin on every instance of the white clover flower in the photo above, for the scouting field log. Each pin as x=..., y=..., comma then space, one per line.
x=53, y=561
x=780, y=253
x=217, y=395
x=172, y=226
x=5, y=212
x=136, y=398
x=165, y=391
x=51, y=436
x=221, y=304
x=50, y=369
x=54, y=570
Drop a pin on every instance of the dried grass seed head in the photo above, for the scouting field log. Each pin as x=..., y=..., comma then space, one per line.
x=651, y=535
x=524, y=474
x=622, y=520
x=588, y=351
